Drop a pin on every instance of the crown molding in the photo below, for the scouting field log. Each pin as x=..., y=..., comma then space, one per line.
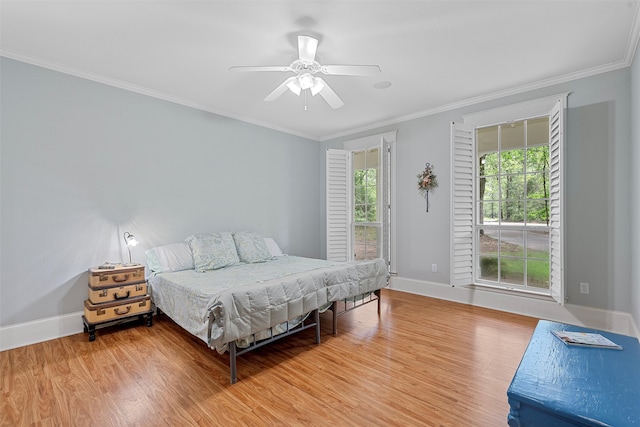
x=632, y=45
x=634, y=37
x=98, y=78
x=633, y=41
x=484, y=98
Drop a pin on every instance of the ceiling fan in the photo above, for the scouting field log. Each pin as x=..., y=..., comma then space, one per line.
x=305, y=69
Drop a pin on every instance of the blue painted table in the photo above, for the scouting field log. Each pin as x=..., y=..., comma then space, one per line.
x=558, y=385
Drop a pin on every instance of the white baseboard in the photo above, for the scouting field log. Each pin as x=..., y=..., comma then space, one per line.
x=533, y=306
x=635, y=327
x=21, y=334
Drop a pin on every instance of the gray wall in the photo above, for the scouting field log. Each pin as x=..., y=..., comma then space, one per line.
x=635, y=185
x=82, y=162
x=598, y=190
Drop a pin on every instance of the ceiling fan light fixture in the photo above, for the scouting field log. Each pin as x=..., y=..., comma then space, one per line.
x=306, y=81
x=294, y=86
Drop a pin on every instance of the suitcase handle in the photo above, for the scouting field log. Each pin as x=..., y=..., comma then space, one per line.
x=116, y=296
x=117, y=310
x=123, y=278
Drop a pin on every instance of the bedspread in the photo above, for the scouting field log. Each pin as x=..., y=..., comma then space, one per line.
x=248, y=298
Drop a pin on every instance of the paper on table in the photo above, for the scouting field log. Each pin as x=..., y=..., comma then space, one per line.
x=585, y=339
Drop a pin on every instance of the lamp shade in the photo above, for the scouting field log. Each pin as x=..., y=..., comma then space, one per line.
x=130, y=239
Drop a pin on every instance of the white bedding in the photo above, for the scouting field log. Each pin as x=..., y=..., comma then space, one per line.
x=249, y=298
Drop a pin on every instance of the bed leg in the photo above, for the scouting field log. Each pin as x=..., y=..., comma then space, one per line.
x=334, y=310
x=232, y=362
x=377, y=292
x=316, y=317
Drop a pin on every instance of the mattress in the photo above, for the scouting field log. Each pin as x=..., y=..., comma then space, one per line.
x=245, y=299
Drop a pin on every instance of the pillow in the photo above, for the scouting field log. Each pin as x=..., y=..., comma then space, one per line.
x=212, y=251
x=251, y=247
x=273, y=247
x=172, y=257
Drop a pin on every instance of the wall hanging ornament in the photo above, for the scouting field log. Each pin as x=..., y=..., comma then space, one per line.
x=427, y=181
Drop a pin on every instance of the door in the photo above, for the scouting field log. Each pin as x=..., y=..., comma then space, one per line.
x=359, y=200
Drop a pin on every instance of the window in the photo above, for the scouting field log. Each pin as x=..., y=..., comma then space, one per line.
x=366, y=224
x=507, y=178
x=512, y=204
x=360, y=200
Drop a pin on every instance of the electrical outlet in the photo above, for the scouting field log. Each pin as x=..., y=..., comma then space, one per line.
x=584, y=288
x=434, y=268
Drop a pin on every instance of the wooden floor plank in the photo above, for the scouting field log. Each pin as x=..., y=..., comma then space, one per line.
x=423, y=362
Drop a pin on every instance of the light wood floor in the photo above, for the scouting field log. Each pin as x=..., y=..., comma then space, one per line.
x=423, y=362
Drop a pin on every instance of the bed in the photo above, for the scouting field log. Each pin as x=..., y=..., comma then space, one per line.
x=257, y=297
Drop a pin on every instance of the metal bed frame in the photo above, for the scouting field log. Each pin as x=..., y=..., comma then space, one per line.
x=234, y=351
x=338, y=308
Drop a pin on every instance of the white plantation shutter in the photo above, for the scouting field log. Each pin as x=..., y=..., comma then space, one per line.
x=338, y=205
x=556, y=199
x=462, y=178
x=386, y=203
x=463, y=184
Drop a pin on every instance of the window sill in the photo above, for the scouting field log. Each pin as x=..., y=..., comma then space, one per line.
x=512, y=292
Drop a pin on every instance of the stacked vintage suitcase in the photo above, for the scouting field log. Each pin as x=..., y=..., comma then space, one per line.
x=116, y=293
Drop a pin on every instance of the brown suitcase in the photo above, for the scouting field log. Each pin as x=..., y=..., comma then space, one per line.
x=106, y=312
x=104, y=294
x=123, y=275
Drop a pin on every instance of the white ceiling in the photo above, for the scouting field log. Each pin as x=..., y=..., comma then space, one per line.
x=436, y=54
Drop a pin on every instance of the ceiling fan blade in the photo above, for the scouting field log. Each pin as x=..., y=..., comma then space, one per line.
x=350, y=70
x=307, y=47
x=282, y=88
x=249, y=68
x=329, y=95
